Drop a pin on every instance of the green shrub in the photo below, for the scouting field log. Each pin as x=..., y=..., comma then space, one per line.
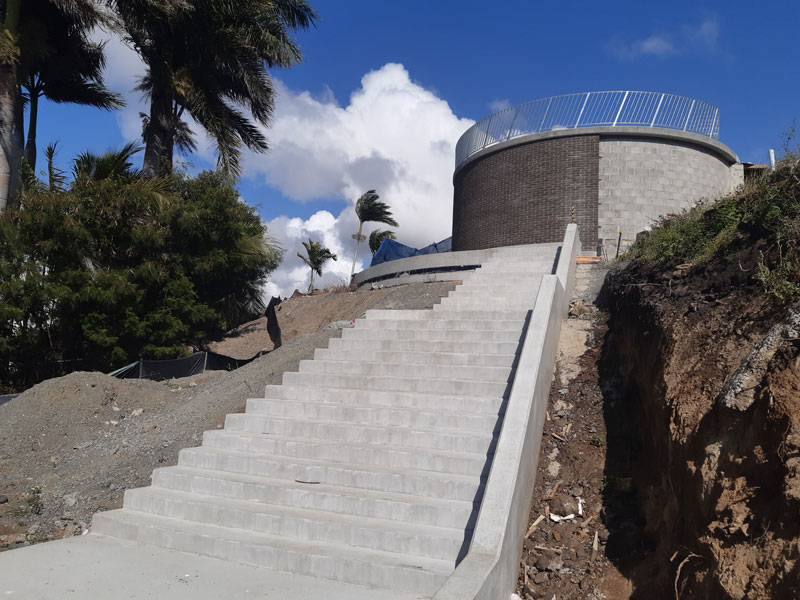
x=112, y=270
x=767, y=211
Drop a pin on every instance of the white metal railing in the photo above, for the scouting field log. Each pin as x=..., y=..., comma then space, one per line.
x=590, y=109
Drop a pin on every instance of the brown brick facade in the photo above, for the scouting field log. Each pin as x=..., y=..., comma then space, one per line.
x=523, y=194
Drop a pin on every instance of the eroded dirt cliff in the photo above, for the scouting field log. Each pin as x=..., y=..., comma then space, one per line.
x=706, y=424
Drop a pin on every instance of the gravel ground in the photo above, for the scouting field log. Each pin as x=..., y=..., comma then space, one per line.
x=70, y=446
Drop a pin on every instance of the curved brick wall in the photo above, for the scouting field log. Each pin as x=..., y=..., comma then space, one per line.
x=521, y=192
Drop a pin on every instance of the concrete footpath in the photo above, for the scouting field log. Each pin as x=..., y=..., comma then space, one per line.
x=97, y=567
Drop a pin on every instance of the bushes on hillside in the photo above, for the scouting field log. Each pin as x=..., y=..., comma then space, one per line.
x=766, y=212
x=111, y=270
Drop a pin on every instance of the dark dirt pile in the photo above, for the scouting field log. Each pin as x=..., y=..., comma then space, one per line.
x=707, y=429
x=82, y=439
x=564, y=559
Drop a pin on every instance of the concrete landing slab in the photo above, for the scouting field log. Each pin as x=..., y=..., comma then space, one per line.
x=94, y=566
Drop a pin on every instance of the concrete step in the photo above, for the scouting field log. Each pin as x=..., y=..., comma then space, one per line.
x=433, y=335
x=489, y=288
x=476, y=303
x=449, y=387
x=410, y=400
x=481, y=346
x=323, y=560
x=302, y=524
x=522, y=266
x=392, y=457
x=414, y=315
x=415, y=358
x=375, y=415
x=449, y=486
x=367, y=503
x=387, y=369
x=448, y=324
x=334, y=431
x=491, y=297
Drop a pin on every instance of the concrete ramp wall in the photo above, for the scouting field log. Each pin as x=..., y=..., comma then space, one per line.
x=489, y=571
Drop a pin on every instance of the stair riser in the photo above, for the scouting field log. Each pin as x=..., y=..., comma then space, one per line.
x=484, y=347
x=423, y=315
x=442, y=486
x=420, y=371
x=432, y=335
x=448, y=387
x=456, y=359
x=277, y=559
x=363, y=434
x=456, y=515
x=388, y=417
x=459, y=305
x=451, y=325
x=365, y=398
x=466, y=464
x=342, y=532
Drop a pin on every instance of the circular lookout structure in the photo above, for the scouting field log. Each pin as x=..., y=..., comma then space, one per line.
x=609, y=161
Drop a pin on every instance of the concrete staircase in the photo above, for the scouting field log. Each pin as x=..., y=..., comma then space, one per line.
x=367, y=466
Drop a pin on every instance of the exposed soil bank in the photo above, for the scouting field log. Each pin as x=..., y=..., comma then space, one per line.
x=703, y=436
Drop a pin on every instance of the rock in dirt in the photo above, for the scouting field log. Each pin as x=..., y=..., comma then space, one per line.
x=549, y=561
x=563, y=505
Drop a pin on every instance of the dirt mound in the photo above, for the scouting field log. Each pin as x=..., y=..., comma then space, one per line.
x=714, y=461
x=70, y=446
x=303, y=314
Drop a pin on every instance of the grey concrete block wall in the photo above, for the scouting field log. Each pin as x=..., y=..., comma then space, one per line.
x=642, y=179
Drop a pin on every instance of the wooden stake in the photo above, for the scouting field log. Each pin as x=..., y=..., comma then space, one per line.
x=535, y=524
x=552, y=493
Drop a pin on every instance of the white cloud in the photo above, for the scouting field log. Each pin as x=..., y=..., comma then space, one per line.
x=499, y=104
x=707, y=33
x=394, y=136
x=702, y=37
x=123, y=71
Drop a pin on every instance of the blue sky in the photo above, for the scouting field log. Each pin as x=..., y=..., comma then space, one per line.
x=437, y=65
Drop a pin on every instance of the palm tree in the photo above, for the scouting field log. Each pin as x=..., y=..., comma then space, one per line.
x=316, y=256
x=45, y=40
x=208, y=59
x=113, y=163
x=62, y=64
x=370, y=208
x=377, y=236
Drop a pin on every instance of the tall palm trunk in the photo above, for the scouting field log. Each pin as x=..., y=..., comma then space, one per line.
x=33, y=117
x=8, y=80
x=158, y=138
x=311, y=285
x=10, y=103
x=355, y=256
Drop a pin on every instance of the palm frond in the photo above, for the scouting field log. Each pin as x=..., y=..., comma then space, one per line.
x=377, y=237
x=370, y=208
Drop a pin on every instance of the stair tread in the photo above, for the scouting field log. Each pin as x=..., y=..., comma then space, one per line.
x=393, y=392
x=339, y=424
x=278, y=542
x=365, y=446
x=317, y=487
x=309, y=514
x=323, y=463
x=447, y=413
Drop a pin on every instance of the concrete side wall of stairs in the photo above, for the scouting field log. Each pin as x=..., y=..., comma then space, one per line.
x=374, y=464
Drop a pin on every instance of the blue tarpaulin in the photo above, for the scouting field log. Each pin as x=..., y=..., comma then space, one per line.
x=392, y=250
